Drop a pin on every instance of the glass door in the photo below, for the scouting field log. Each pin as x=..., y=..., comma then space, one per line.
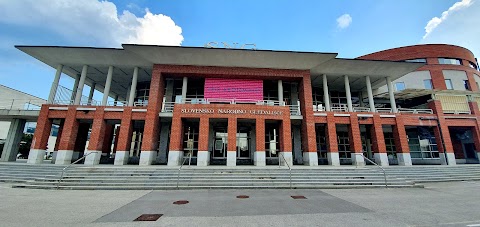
x=243, y=144
x=220, y=144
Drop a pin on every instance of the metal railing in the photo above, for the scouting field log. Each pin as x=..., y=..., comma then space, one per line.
x=415, y=111
x=66, y=167
x=167, y=107
x=383, y=170
x=180, y=168
x=288, y=165
x=21, y=104
x=295, y=110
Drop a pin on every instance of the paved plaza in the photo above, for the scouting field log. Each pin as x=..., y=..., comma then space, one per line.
x=438, y=204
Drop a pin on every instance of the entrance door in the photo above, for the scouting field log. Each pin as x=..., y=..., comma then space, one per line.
x=470, y=153
x=243, y=144
x=220, y=144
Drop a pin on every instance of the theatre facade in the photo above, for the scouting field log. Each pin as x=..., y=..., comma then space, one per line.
x=216, y=106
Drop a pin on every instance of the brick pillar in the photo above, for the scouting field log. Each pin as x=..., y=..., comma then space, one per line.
x=309, y=144
x=449, y=157
x=203, y=155
x=124, y=138
x=175, y=153
x=40, y=138
x=438, y=81
x=378, y=141
x=401, y=142
x=286, y=142
x=232, y=142
x=331, y=138
x=471, y=81
x=97, y=139
x=259, y=158
x=69, y=137
x=152, y=121
x=355, y=141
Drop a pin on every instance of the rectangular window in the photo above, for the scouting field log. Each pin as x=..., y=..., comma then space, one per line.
x=428, y=84
x=421, y=60
x=449, y=84
x=400, y=86
x=472, y=65
x=465, y=83
x=449, y=61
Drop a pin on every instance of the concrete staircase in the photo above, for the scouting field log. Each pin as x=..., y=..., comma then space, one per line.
x=162, y=177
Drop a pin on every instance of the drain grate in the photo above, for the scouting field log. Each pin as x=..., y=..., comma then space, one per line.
x=180, y=202
x=298, y=197
x=243, y=196
x=148, y=217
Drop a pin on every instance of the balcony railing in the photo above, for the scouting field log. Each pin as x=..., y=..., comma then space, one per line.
x=167, y=107
x=344, y=108
x=21, y=104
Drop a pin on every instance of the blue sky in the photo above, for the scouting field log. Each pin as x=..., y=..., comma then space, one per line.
x=349, y=27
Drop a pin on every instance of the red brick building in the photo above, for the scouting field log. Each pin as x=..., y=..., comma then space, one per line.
x=212, y=106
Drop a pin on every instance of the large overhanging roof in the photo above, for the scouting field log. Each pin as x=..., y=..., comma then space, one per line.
x=145, y=56
x=357, y=69
x=220, y=57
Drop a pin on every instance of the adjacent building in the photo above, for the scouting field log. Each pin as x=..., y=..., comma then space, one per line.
x=217, y=106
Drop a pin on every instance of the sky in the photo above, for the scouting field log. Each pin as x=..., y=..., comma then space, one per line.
x=350, y=28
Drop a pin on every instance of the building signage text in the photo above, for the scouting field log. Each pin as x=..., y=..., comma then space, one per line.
x=225, y=45
x=231, y=111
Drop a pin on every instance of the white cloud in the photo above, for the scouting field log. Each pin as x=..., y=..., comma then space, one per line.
x=92, y=21
x=459, y=28
x=434, y=22
x=344, y=21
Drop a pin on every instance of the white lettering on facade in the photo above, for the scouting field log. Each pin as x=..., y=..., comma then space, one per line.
x=231, y=111
x=251, y=46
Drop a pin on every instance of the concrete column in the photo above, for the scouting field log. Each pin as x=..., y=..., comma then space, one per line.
x=53, y=90
x=349, y=94
x=280, y=92
x=90, y=95
x=184, y=89
x=78, y=96
x=133, y=88
x=129, y=89
x=12, y=142
x=108, y=84
x=390, y=94
x=370, y=94
x=74, y=89
x=326, y=96
x=169, y=91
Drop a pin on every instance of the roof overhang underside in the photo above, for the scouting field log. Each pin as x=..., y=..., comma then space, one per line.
x=145, y=56
x=357, y=69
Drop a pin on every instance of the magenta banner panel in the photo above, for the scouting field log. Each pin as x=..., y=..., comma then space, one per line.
x=218, y=88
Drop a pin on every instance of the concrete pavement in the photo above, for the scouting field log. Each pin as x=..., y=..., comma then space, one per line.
x=438, y=204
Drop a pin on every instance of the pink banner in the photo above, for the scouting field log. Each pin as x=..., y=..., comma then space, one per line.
x=218, y=88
